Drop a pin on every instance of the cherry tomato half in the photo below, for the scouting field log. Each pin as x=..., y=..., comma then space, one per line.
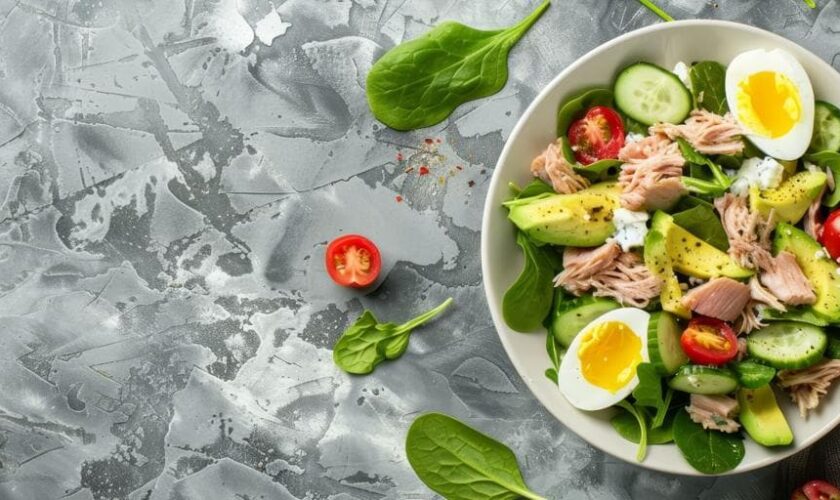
x=709, y=341
x=353, y=260
x=830, y=237
x=816, y=490
x=599, y=135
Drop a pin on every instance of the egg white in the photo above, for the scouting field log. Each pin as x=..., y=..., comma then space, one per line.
x=580, y=392
x=793, y=144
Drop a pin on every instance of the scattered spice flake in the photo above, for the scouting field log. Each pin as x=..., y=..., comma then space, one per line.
x=442, y=180
x=409, y=170
x=459, y=167
x=429, y=141
x=424, y=170
x=399, y=199
x=438, y=140
x=399, y=156
x=471, y=183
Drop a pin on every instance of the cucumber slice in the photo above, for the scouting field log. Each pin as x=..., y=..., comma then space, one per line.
x=788, y=345
x=826, y=128
x=666, y=354
x=753, y=375
x=570, y=316
x=649, y=94
x=696, y=379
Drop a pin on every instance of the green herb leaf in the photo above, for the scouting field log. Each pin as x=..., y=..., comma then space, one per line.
x=460, y=463
x=719, y=182
x=555, y=355
x=551, y=374
x=811, y=3
x=703, y=222
x=575, y=107
x=421, y=82
x=708, y=84
x=528, y=301
x=641, y=424
x=656, y=10
x=830, y=159
x=627, y=426
x=599, y=171
x=534, y=188
x=366, y=343
x=710, y=452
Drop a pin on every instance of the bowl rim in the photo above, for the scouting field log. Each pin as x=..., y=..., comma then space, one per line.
x=489, y=206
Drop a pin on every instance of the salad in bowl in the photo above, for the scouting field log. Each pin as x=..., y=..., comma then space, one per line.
x=680, y=250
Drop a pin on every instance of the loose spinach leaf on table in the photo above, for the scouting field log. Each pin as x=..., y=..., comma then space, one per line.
x=367, y=342
x=627, y=427
x=703, y=222
x=710, y=452
x=460, y=463
x=419, y=83
x=708, y=84
x=575, y=107
x=528, y=301
x=829, y=159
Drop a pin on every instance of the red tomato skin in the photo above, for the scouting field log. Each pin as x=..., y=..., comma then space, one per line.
x=340, y=245
x=830, y=237
x=598, y=135
x=820, y=490
x=702, y=355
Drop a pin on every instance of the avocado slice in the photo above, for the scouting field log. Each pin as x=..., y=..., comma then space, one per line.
x=791, y=199
x=821, y=271
x=762, y=418
x=692, y=256
x=582, y=219
x=659, y=264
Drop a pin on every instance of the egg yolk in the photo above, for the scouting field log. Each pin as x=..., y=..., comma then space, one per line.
x=609, y=354
x=768, y=103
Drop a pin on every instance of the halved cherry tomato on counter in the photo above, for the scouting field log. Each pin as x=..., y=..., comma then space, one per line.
x=709, y=341
x=816, y=490
x=353, y=260
x=599, y=135
x=830, y=237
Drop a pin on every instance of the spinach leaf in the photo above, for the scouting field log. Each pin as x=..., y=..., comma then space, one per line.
x=649, y=392
x=460, y=463
x=641, y=425
x=631, y=125
x=708, y=84
x=688, y=202
x=703, y=222
x=729, y=161
x=599, y=171
x=801, y=314
x=829, y=159
x=528, y=301
x=627, y=426
x=534, y=188
x=719, y=182
x=367, y=342
x=710, y=452
x=421, y=82
x=555, y=355
x=575, y=107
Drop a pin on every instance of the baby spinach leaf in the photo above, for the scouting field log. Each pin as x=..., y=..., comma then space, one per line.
x=708, y=84
x=575, y=107
x=555, y=355
x=703, y=222
x=649, y=392
x=716, y=185
x=367, y=342
x=460, y=463
x=628, y=427
x=710, y=452
x=528, y=301
x=641, y=425
x=632, y=126
x=829, y=159
x=599, y=171
x=687, y=202
x=420, y=82
x=534, y=188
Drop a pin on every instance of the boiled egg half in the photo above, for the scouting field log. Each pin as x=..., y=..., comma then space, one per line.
x=599, y=368
x=771, y=97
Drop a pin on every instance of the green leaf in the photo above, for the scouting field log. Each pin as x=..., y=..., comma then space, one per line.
x=575, y=107
x=656, y=10
x=551, y=374
x=715, y=185
x=641, y=425
x=627, y=426
x=366, y=343
x=460, y=463
x=632, y=126
x=528, y=301
x=830, y=159
x=710, y=452
x=601, y=170
x=649, y=391
x=555, y=355
x=708, y=84
x=420, y=82
x=534, y=188
x=801, y=314
x=811, y=4
x=703, y=222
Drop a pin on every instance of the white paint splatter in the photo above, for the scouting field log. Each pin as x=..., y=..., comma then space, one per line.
x=270, y=27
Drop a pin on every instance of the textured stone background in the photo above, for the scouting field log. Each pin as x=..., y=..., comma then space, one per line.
x=170, y=172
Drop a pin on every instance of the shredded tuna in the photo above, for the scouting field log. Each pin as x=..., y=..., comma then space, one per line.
x=552, y=167
x=807, y=386
x=784, y=278
x=608, y=272
x=829, y=178
x=812, y=224
x=748, y=232
x=750, y=318
x=742, y=349
x=714, y=412
x=707, y=132
x=721, y=298
x=651, y=175
x=764, y=296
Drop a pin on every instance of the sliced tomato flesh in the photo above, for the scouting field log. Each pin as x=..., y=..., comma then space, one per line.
x=830, y=237
x=709, y=341
x=598, y=135
x=820, y=490
x=353, y=261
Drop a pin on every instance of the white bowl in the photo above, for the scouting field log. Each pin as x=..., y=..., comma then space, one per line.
x=664, y=44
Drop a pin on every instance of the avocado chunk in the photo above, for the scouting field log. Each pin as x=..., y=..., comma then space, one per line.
x=582, y=219
x=762, y=418
x=791, y=199
x=692, y=256
x=659, y=264
x=821, y=271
